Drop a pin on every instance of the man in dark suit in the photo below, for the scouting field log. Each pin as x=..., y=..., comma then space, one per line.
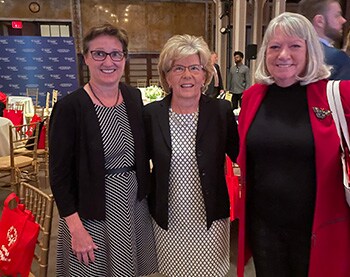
x=326, y=17
x=216, y=86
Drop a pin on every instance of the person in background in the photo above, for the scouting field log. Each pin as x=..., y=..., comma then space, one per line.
x=239, y=79
x=326, y=17
x=188, y=135
x=297, y=218
x=346, y=48
x=216, y=86
x=99, y=173
x=3, y=101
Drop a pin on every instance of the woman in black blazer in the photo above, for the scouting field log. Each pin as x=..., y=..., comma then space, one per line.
x=188, y=135
x=99, y=173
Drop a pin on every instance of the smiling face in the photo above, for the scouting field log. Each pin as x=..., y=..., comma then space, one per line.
x=186, y=85
x=108, y=71
x=285, y=58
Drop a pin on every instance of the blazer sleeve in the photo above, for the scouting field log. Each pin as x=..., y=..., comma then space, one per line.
x=62, y=134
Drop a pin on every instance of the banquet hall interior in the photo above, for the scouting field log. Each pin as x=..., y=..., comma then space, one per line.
x=226, y=25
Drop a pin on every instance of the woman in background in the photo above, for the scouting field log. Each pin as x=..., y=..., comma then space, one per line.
x=99, y=173
x=188, y=135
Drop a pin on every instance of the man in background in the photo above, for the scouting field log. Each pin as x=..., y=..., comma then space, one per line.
x=239, y=79
x=216, y=86
x=326, y=17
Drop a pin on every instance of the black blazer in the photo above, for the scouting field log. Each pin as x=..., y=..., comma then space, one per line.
x=214, y=91
x=216, y=135
x=77, y=165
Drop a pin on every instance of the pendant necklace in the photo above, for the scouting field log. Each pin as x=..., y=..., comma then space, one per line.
x=99, y=100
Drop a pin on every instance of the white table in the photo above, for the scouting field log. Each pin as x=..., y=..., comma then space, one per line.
x=4, y=136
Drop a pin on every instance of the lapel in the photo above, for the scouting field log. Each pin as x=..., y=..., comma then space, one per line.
x=252, y=108
x=326, y=139
x=163, y=119
x=132, y=110
x=204, y=116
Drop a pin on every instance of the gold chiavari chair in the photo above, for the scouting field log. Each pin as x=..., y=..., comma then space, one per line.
x=154, y=82
x=34, y=94
x=41, y=205
x=141, y=83
x=22, y=161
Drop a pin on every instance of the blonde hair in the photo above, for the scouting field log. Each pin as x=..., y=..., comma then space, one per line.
x=181, y=46
x=292, y=24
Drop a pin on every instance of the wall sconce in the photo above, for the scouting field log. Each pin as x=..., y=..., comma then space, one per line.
x=225, y=30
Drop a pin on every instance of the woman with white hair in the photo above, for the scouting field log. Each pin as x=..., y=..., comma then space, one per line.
x=297, y=221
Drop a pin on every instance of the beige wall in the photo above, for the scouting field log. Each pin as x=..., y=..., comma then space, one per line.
x=49, y=9
x=149, y=24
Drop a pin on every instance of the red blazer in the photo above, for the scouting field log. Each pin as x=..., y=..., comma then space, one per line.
x=330, y=245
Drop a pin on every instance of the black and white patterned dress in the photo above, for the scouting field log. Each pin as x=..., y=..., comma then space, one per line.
x=188, y=248
x=125, y=238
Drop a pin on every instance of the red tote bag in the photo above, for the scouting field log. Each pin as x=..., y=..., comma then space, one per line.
x=42, y=130
x=18, y=237
x=16, y=116
x=233, y=188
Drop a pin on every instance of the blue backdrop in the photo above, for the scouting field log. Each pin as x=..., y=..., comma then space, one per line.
x=44, y=62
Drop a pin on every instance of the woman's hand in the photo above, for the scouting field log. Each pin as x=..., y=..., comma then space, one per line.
x=82, y=244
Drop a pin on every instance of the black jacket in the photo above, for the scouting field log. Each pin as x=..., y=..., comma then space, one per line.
x=77, y=165
x=216, y=135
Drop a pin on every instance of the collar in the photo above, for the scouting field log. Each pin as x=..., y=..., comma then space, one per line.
x=325, y=42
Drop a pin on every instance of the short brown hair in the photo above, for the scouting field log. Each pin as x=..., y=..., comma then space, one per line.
x=108, y=30
x=311, y=8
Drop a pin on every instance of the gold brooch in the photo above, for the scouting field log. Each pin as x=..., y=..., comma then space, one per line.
x=321, y=113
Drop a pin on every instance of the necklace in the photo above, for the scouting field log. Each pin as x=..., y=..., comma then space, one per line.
x=99, y=100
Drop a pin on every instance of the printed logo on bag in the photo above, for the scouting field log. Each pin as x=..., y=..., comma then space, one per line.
x=12, y=235
x=4, y=253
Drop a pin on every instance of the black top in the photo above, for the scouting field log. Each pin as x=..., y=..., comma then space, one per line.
x=281, y=159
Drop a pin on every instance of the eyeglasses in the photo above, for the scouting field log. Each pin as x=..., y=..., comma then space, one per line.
x=99, y=55
x=193, y=69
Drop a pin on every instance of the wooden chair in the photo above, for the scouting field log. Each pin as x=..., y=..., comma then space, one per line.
x=41, y=205
x=154, y=82
x=141, y=83
x=43, y=154
x=18, y=165
x=34, y=94
x=54, y=97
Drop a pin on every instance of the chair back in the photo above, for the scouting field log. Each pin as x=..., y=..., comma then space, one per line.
x=34, y=94
x=54, y=97
x=154, y=82
x=141, y=83
x=22, y=161
x=41, y=205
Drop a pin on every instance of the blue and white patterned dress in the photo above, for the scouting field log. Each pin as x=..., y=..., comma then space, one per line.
x=125, y=238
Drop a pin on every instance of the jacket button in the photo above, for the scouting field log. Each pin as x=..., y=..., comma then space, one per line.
x=199, y=153
x=203, y=173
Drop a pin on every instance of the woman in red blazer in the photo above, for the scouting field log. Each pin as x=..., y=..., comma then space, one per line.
x=293, y=213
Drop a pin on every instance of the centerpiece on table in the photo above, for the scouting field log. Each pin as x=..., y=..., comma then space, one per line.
x=154, y=93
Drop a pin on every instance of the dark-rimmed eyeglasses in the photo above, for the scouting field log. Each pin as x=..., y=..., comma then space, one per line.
x=193, y=69
x=99, y=55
